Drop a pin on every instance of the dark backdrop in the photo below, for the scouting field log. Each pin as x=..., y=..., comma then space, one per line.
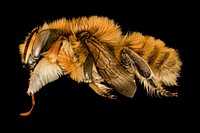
x=65, y=104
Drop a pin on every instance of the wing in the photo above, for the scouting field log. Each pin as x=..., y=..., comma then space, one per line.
x=109, y=67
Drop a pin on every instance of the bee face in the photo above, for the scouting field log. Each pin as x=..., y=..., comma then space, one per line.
x=26, y=49
x=94, y=51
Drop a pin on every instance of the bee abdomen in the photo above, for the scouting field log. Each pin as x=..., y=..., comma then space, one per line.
x=164, y=61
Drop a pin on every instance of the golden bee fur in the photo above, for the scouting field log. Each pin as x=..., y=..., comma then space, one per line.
x=94, y=50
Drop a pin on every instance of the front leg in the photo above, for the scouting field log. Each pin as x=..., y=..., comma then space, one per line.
x=87, y=68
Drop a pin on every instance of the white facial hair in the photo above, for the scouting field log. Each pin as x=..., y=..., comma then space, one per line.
x=44, y=73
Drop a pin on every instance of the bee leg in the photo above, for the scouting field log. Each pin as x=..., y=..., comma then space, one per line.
x=88, y=68
x=131, y=59
x=102, y=90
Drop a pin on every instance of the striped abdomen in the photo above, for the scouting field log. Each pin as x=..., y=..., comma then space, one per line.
x=164, y=61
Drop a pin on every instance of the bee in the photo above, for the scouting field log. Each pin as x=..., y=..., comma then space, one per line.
x=94, y=50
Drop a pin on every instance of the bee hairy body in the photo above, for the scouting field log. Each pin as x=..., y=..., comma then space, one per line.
x=163, y=61
x=95, y=51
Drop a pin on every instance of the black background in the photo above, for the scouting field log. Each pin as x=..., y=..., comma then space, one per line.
x=67, y=105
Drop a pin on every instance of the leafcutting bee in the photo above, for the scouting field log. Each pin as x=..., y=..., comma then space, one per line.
x=94, y=50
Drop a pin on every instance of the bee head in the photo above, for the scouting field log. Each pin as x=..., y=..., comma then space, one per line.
x=31, y=49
